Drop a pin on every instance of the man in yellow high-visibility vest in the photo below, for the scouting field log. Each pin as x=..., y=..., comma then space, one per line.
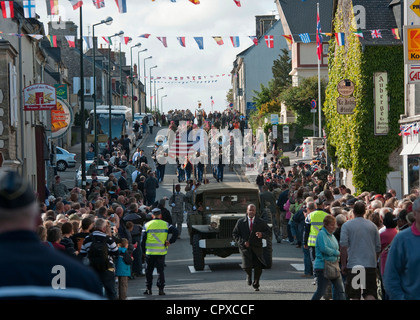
x=155, y=245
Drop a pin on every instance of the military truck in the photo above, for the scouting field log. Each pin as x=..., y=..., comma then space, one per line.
x=218, y=208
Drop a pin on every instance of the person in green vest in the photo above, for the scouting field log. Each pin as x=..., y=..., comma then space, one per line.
x=155, y=243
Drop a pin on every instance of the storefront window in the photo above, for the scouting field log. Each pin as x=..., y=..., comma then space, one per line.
x=413, y=171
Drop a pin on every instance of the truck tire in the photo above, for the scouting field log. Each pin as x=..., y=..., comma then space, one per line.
x=198, y=254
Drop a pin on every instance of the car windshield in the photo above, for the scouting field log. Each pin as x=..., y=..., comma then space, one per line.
x=230, y=202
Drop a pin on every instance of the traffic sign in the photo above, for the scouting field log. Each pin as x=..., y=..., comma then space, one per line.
x=313, y=104
x=416, y=7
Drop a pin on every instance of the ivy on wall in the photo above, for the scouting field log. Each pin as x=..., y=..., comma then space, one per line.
x=351, y=138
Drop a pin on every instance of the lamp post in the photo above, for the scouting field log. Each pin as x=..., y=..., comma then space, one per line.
x=121, y=75
x=138, y=79
x=161, y=103
x=145, y=90
x=110, y=87
x=131, y=77
x=157, y=99
x=107, y=21
x=150, y=84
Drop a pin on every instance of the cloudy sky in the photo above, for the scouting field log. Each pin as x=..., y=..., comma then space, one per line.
x=163, y=18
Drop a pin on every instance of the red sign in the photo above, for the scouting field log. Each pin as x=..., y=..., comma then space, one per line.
x=40, y=97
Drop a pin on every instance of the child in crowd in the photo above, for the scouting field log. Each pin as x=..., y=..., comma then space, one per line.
x=123, y=269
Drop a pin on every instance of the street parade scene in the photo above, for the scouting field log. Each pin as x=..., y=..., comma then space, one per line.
x=258, y=151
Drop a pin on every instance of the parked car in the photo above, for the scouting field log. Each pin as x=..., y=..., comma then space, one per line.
x=64, y=159
x=100, y=170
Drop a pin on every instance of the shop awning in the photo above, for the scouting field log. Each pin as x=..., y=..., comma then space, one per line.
x=409, y=148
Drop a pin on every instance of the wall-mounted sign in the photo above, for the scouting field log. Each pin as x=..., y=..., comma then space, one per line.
x=61, y=119
x=274, y=118
x=345, y=87
x=61, y=90
x=381, y=103
x=39, y=97
x=346, y=105
x=412, y=44
x=286, y=136
x=414, y=73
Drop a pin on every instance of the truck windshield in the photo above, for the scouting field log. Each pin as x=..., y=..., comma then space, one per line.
x=230, y=202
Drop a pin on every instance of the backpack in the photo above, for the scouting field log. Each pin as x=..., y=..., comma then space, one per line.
x=126, y=257
x=98, y=254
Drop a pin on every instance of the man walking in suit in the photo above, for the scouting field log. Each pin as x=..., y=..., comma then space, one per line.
x=248, y=233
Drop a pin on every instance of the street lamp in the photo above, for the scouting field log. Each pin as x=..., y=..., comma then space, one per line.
x=138, y=79
x=107, y=21
x=161, y=103
x=150, y=84
x=157, y=99
x=110, y=86
x=131, y=77
x=144, y=79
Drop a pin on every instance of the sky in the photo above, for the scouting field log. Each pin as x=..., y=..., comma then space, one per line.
x=163, y=18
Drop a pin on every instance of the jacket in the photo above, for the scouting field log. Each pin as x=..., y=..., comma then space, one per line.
x=121, y=268
x=326, y=248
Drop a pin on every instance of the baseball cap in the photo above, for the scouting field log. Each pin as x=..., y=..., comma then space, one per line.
x=15, y=192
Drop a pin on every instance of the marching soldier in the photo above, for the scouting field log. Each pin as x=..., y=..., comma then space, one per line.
x=177, y=202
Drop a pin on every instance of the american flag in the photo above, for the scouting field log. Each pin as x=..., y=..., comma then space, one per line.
x=181, y=147
x=99, y=3
x=318, y=37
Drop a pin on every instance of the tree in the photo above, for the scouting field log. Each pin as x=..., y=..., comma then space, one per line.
x=281, y=73
x=229, y=96
x=262, y=97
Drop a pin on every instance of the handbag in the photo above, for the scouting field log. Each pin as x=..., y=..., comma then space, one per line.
x=331, y=270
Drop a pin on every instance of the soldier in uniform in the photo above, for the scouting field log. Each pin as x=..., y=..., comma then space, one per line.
x=177, y=202
x=189, y=199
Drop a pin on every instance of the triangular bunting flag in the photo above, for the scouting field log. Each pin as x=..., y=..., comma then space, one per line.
x=76, y=4
x=396, y=33
x=304, y=37
x=219, y=40
x=163, y=40
x=237, y=2
x=254, y=39
x=358, y=34
x=146, y=35
x=99, y=4
x=200, y=42
x=181, y=41
x=36, y=36
x=339, y=38
x=269, y=40
x=71, y=40
x=107, y=40
x=122, y=6
x=195, y=1
x=127, y=40
x=89, y=42
x=235, y=41
x=288, y=38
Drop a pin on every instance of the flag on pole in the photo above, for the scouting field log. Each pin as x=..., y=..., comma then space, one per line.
x=376, y=34
x=304, y=37
x=163, y=40
x=237, y=2
x=339, y=38
x=396, y=33
x=254, y=39
x=200, y=42
x=52, y=7
x=53, y=41
x=358, y=33
x=219, y=40
x=71, y=40
x=29, y=9
x=99, y=3
x=76, y=4
x=235, y=41
x=318, y=37
x=269, y=40
x=7, y=9
x=288, y=38
x=181, y=41
x=122, y=6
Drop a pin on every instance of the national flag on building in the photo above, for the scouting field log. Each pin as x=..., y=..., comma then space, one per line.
x=99, y=4
x=269, y=40
x=200, y=42
x=76, y=4
x=163, y=40
x=53, y=41
x=219, y=40
x=254, y=39
x=52, y=7
x=71, y=40
x=288, y=38
x=235, y=41
x=237, y=2
x=181, y=41
x=376, y=34
x=7, y=9
x=122, y=6
x=29, y=9
x=396, y=33
x=339, y=38
x=318, y=37
x=358, y=34
x=304, y=37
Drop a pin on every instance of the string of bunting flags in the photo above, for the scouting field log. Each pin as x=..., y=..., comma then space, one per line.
x=407, y=130
x=29, y=6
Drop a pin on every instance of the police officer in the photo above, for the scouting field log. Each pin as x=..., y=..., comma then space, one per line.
x=155, y=244
x=177, y=202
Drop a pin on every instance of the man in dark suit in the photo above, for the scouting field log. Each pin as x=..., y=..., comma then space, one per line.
x=248, y=233
x=122, y=181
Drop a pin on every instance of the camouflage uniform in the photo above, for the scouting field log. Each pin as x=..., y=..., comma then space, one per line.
x=177, y=202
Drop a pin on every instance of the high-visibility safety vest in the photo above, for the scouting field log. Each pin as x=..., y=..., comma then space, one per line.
x=317, y=222
x=157, y=234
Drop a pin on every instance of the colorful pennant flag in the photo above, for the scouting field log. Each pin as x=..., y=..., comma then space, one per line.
x=29, y=9
x=254, y=39
x=237, y=2
x=200, y=42
x=122, y=6
x=376, y=34
x=318, y=37
x=89, y=42
x=396, y=33
x=127, y=40
x=99, y=4
x=53, y=41
x=7, y=9
x=76, y=4
x=181, y=41
x=288, y=38
x=71, y=40
x=108, y=40
x=36, y=36
x=195, y=1
x=358, y=33
x=304, y=37
x=269, y=40
x=163, y=40
x=219, y=40
x=52, y=7
x=339, y=38
x=146, y=35
x=235, y=41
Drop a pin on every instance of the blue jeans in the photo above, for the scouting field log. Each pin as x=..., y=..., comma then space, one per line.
x=219, y=173
x=322, y=282
x=108, y=281
x=307, y=261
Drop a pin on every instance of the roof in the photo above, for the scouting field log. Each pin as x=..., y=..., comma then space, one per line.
x=216, y=187
x=301, y=16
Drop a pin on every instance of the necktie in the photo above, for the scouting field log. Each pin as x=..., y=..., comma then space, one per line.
x=250, y=224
